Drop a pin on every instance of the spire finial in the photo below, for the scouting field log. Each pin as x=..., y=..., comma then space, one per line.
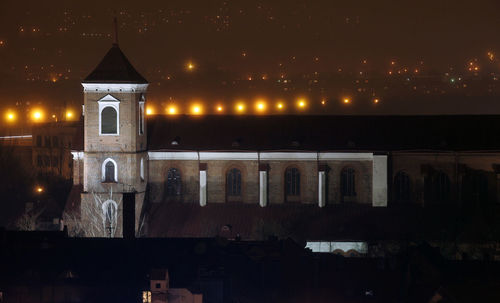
x=115, y=24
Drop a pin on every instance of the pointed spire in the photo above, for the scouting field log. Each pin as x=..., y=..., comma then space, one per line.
x=115, y=25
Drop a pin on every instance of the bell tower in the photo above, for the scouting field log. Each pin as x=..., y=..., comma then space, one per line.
x=115, y=143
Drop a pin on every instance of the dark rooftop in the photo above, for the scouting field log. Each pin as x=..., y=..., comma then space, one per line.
x=115, y=68
x=324, y=133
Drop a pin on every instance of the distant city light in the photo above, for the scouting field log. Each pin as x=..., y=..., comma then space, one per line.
x=172, y=110
x=301, y=103
x=196, y=109
x=347, y=100
x=37, y=115
x=240, y=107
x=376, y=100
x=260, y=106
x=39, y=189
x=10, y=116
x=220, y=108
x=280, y=106
x=190, y=66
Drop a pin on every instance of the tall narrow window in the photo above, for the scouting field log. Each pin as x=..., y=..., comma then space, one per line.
x=292, y=182
x=173, y=183
x=233, y=182
x=109, y=121
x=348, y=183
x=402, y=187
x=437, y=187
x=109, y=171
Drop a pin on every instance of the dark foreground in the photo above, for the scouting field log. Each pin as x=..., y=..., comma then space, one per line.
x=49, y=267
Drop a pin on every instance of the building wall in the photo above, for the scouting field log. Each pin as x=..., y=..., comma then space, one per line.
x=216, y=180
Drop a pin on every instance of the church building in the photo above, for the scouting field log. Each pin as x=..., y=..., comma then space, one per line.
x=312, y=178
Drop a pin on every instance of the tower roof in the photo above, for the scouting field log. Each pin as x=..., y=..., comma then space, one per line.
x=115, y=68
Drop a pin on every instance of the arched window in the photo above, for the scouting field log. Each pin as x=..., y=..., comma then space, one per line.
x=402, y=187
x=348, y=183
x=109, y=171
x=109, y=121
x=292, y=182
x=233, y=182
x=437, y=187
x=475, y=188
x=442, y=187
x=173, y=183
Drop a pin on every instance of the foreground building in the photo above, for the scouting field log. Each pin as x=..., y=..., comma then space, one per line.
x=251, y=177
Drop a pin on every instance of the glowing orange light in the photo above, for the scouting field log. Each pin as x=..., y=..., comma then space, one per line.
x=196, y=109
x=39, y=189
x=301, y=103
x=149, y=111
x=240, y=107
x=172, y=110
x=190, y=66
x=323, y=101
x=69, y=115
x=260, y=106
x=347, y=100
x=280, y=105
x=220, y=108
x=376, y=100
x=37, y=115
x=10, y=116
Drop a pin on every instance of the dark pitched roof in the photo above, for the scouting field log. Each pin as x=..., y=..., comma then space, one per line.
x=115, y=68
x=334, y=133
x=299, y=221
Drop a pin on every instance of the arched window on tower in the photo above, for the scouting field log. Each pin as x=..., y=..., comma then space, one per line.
x=437, y=187
x=109, y=121
x=233, y=185
x=402, y=187
x=109, y=171
x=292, y=184
x=174, y=183
x=348, y=184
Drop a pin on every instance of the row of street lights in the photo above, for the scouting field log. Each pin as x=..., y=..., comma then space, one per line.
x=36, y=115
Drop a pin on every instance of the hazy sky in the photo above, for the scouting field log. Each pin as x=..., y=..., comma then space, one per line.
x=43, y=38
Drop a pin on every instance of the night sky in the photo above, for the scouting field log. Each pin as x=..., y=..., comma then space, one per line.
x=47, y=48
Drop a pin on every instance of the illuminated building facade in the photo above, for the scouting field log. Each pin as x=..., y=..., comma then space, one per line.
x=252, y=177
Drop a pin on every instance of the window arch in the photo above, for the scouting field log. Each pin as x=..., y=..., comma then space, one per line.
x=402, y=187
x=348, y=182
x=109, y=171
x=174, y=183
x=233, y=182
x=292, y=181
x=109, y=121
